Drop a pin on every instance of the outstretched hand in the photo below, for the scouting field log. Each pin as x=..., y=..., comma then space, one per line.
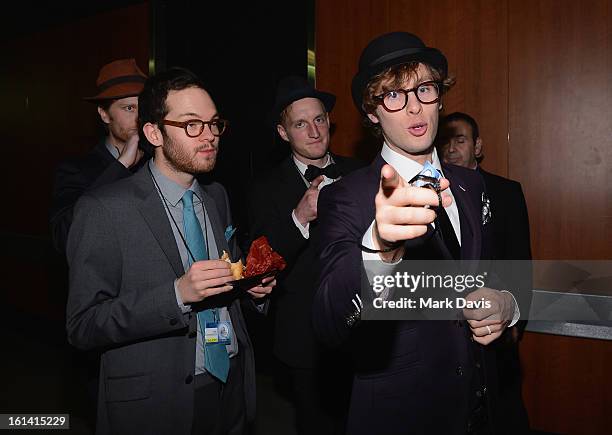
x=403, y=211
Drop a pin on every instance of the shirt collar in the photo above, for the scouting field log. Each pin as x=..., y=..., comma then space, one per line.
x=302, y=167
x=172, y=191
x=112, y=149
x=405, y=166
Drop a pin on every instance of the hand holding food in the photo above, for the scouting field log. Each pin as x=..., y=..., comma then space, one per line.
x=261, y=259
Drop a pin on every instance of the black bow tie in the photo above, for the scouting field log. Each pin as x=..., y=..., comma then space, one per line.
x=330, y=171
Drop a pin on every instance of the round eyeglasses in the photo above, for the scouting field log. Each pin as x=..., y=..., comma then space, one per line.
x=195, y=127
x=396, y=99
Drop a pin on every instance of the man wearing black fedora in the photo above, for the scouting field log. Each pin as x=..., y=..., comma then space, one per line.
x=411, y=376
x=116, y=156
x=283, y=207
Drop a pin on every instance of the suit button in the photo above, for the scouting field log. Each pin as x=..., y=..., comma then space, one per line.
x=192, y=334
x=459, y=371
x=189, y=379
x=477, y=365
x=173, y=322
x=478, y=393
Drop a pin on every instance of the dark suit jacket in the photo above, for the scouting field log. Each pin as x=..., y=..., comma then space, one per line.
x=411, y=376
x=510, y=239
x=75, y=176
x=271, y=201
x=123, y=262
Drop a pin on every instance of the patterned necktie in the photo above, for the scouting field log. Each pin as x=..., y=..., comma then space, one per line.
x=216, y=360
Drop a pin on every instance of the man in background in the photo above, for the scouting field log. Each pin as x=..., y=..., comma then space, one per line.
x=460, y=144
x=283, y=207
x=116, y=156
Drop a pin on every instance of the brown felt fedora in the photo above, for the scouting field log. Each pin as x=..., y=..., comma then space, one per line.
x=119, y=79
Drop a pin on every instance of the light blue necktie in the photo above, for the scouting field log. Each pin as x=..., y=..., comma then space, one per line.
x=216, y=360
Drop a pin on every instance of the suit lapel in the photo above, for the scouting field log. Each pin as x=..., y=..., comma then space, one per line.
x=154, y=214
x=468, y=218
x=291, y=179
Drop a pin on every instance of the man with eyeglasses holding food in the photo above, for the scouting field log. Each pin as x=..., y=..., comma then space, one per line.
x=148, y=287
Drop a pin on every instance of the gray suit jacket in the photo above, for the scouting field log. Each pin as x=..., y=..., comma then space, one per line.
x=123, y=262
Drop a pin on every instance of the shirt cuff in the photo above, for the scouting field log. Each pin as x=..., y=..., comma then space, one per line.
x=303, y=229
x=517, y=312
x=368, y=242
x=373, y=264
x=184, y=308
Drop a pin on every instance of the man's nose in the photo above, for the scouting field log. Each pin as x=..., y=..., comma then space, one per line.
x=413, y=105
x=207, y=134
x=313, y=131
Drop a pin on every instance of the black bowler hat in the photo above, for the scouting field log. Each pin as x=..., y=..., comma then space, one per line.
x=392, y=49
x=293, y=88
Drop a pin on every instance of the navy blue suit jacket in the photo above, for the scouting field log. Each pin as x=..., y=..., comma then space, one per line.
x=410, y=376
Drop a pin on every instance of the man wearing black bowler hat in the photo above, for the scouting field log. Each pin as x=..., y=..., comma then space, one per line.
x=283, y=207
x=411, y=376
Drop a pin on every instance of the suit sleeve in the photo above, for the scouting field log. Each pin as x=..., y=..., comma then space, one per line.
x=519, y=248
x=101, y=311
x=518, y=242
x=71, y=182
x=268, y=218
x=341, y=265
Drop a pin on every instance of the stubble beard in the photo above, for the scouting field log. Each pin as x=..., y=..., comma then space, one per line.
x=183, y=161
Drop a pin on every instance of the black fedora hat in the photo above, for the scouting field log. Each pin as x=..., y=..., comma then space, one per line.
x=293, y=88
x=390, y=49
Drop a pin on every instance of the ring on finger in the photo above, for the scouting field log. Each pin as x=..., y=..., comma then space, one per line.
x=489, y=329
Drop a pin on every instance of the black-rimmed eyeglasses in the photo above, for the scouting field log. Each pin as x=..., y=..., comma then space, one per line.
x=396, y=99
x=195, y=127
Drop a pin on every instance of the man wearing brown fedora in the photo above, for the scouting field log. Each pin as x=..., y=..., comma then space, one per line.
x=283, y=207
x=116, y=156
x=411, y=376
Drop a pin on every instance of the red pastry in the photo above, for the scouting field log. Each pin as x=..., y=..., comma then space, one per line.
x=262, y=259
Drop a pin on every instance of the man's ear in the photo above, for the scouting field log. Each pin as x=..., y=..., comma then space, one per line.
x=282, y=132
x=478, y=148
x=373, y=118
x=153, y=134
x=104, y=115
